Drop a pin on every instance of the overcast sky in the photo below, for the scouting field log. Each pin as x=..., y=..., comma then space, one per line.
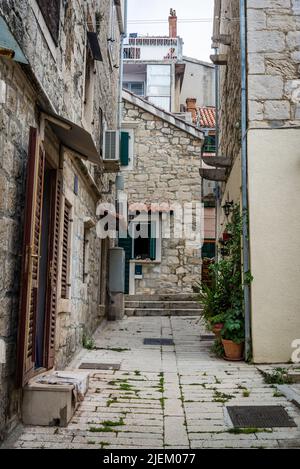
x=196, y=36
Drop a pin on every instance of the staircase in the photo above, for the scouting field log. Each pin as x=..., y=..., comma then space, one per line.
x=162, y=305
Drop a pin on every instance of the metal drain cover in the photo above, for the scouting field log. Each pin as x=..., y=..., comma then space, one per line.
x=260, y=417
x=158, y=342
x=99, y=366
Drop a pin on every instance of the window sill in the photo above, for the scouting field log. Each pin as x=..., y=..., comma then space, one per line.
x=144, y=261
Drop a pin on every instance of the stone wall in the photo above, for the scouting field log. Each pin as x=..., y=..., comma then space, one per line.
x=230, y=83
x=273, y=63
x=54, y=78
x=166, y=163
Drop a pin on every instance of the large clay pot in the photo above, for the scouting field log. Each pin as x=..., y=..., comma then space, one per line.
x=217, y=329
x=232, y=350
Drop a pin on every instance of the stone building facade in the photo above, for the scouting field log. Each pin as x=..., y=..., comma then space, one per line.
x=62, y=76
x=162, y=169
x=272, y=147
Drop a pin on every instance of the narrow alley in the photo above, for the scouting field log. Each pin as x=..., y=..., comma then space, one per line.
x=168, y=397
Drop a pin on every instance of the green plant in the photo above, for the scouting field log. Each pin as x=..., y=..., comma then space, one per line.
x=223, y=300
x=277, y=376
x=88, y=342
x=218, y=348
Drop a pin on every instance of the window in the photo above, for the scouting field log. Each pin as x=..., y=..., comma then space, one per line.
x=159, y=85
x=132, y=53
x=51, y=12
x=89, y=86
x=209, y=144
x=65, y=265
x=144, y=247
x=209, y=249
x=135, y=87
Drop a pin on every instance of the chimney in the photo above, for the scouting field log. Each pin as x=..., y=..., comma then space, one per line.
x=172, y=23
x=192, y=108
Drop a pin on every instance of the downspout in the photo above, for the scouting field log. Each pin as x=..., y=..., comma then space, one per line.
x=217, y=189
x=244, y=164
x=123, y=35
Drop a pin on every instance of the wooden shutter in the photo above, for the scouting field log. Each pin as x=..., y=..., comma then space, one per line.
x=51, y=13
x=152, y=230
x=124, y=154
x=65, y=252
x=53, y=264
x=30, y=259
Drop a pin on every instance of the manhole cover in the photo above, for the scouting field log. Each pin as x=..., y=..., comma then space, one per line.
x=99, y=366
x=260, y=417
x=158, y=342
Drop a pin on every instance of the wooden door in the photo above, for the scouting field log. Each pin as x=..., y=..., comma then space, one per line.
x=30, y=258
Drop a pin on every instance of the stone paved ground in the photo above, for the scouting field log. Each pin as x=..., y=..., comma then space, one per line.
x=163, y=397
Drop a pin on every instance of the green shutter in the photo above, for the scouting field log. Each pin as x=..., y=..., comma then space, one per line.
x=126, y=244
x=124, y=156
x=152, y=243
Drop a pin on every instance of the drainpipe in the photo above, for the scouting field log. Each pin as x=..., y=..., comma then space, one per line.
x=244, y=164
x=121, y=66
x=217, y=103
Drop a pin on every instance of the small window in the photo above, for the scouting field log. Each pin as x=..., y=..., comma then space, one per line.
x=144, y=247
x=111, y=145
x=65, y=265
x=51, y=12
x=133, y=53
x=89, y=85
x=209, y=144
x=135, y=87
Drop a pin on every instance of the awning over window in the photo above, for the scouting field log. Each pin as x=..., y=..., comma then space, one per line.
x=8, y=42
x=74, y=137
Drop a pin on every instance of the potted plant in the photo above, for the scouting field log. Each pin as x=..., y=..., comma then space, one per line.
x=233, y=335
x=217, y=324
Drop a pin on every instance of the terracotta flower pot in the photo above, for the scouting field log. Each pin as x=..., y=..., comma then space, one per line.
x=217, y=329
x=232, y=350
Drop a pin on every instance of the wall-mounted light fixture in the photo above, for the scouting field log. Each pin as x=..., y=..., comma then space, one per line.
x=227, y=207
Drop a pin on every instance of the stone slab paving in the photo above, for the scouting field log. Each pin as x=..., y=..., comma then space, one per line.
x=163, y=396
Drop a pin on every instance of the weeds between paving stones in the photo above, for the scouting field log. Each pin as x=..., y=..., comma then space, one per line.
x=240, y=386
x=217, y=381
x=277, y=376
x=221, y=397
x=103, y=444
x=248, y=431
x=278, y=394
x=246, y=393
x=111, y=401
x=88, y=342
x=137, y=373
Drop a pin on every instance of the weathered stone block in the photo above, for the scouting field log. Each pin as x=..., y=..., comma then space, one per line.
x=266, y=41
x=265, y=87
x=277, y=110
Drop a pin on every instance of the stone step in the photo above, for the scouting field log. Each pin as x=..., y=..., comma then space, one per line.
x=163, y=304
x=161, y=312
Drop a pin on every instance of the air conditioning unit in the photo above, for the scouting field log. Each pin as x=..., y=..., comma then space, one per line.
x=111, y=145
